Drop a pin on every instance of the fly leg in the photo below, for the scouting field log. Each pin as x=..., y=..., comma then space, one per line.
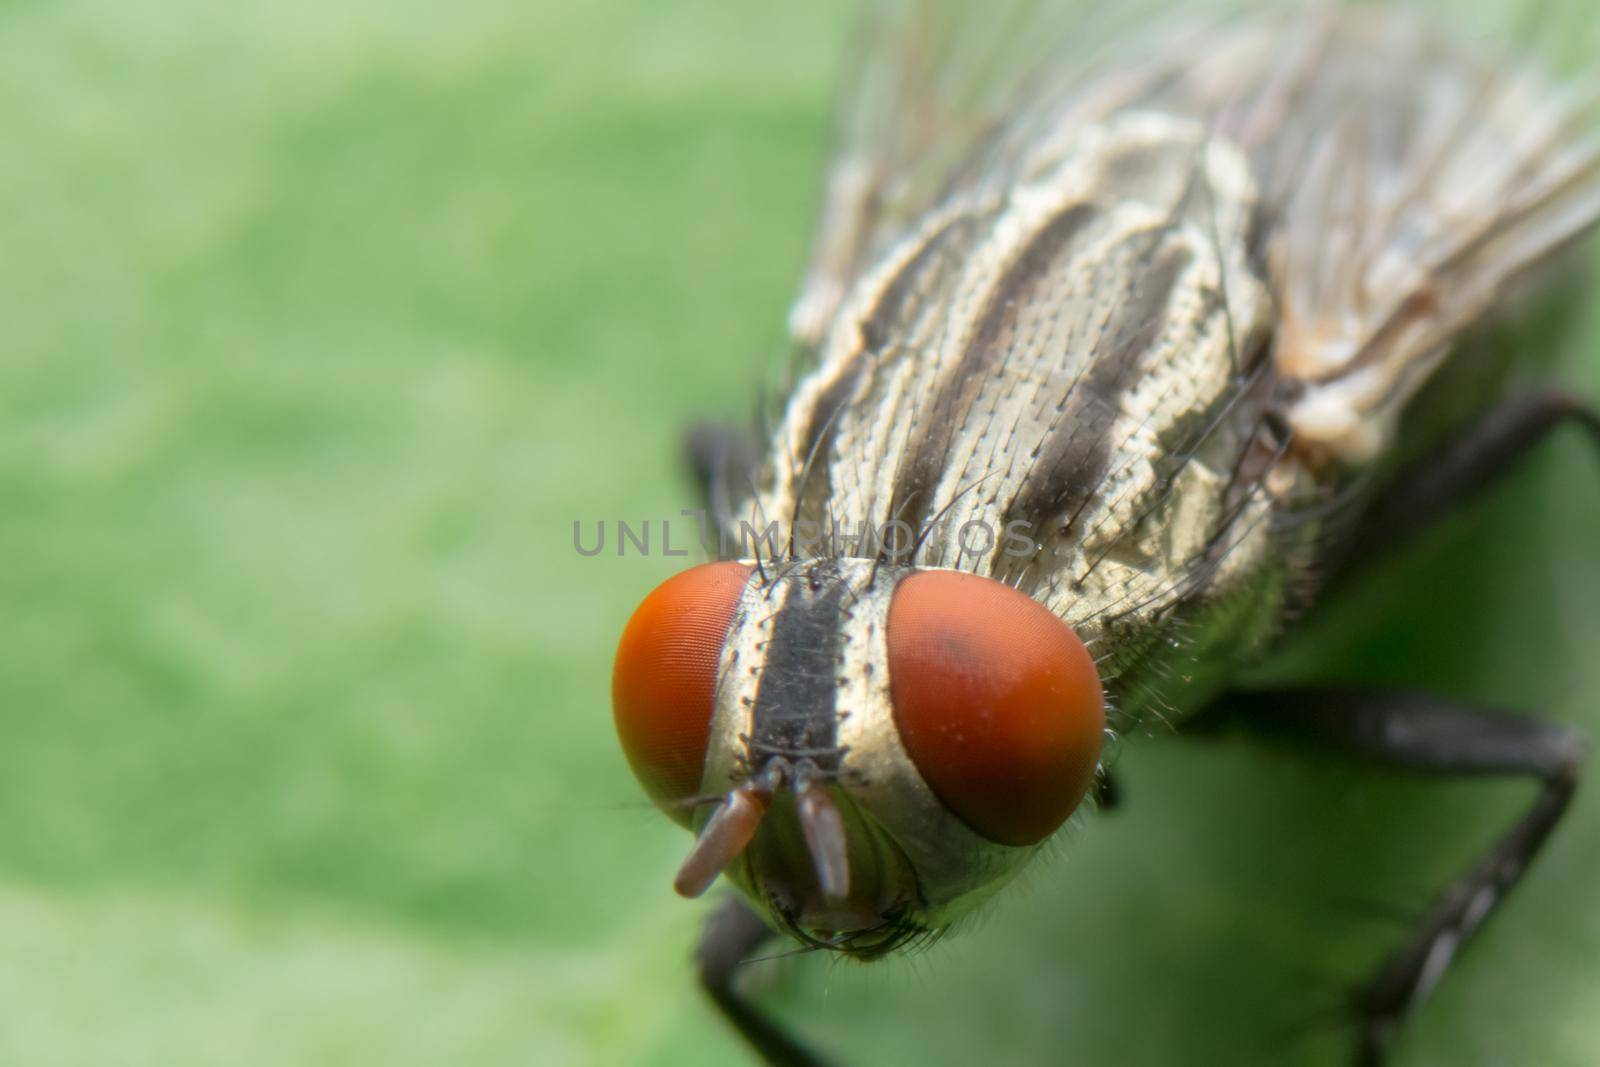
x=1472, y=461
x=1426, y=734
x=731, y=934
x=722, y=460
x=1107, y=796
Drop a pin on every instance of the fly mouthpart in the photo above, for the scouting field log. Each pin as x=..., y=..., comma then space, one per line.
x=727, y=833
x=860, y=937
x=823, y=828
x=735, y=822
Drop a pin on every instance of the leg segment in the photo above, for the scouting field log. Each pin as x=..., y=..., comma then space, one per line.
x=731, y=934
x=1425, y=734
x=1107, y=795
x=723, y=461
x=1474, y=460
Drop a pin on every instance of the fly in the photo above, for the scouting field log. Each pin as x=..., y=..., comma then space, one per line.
x=1114, y=353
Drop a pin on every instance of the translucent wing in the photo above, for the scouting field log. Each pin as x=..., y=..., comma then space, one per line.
x=1408, y=181
x=930, y=94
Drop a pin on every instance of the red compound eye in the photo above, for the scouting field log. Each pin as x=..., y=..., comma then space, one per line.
x=665, y=676
x=997, y=702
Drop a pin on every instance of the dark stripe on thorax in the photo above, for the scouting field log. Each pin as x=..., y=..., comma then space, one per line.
x=795, y=713
x=878, y=325
x=821, y=429
x=1076, y=457
x=925, y=460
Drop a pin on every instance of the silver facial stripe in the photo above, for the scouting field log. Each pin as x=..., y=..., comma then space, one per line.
x=952, y=860
x=738, y=677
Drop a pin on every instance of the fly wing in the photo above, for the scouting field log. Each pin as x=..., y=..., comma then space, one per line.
x=901, y=109
x=1408, y=181
x=933, y=100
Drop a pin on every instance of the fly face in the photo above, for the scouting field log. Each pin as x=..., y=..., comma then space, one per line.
x=866, y=749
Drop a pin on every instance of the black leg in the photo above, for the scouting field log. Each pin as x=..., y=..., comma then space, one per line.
x=1422, y=733
x=1107, y=795
x=1472, y=461
x=723, y=461
x=731, y=935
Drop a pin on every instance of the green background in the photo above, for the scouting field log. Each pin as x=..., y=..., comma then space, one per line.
x=320, y=324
